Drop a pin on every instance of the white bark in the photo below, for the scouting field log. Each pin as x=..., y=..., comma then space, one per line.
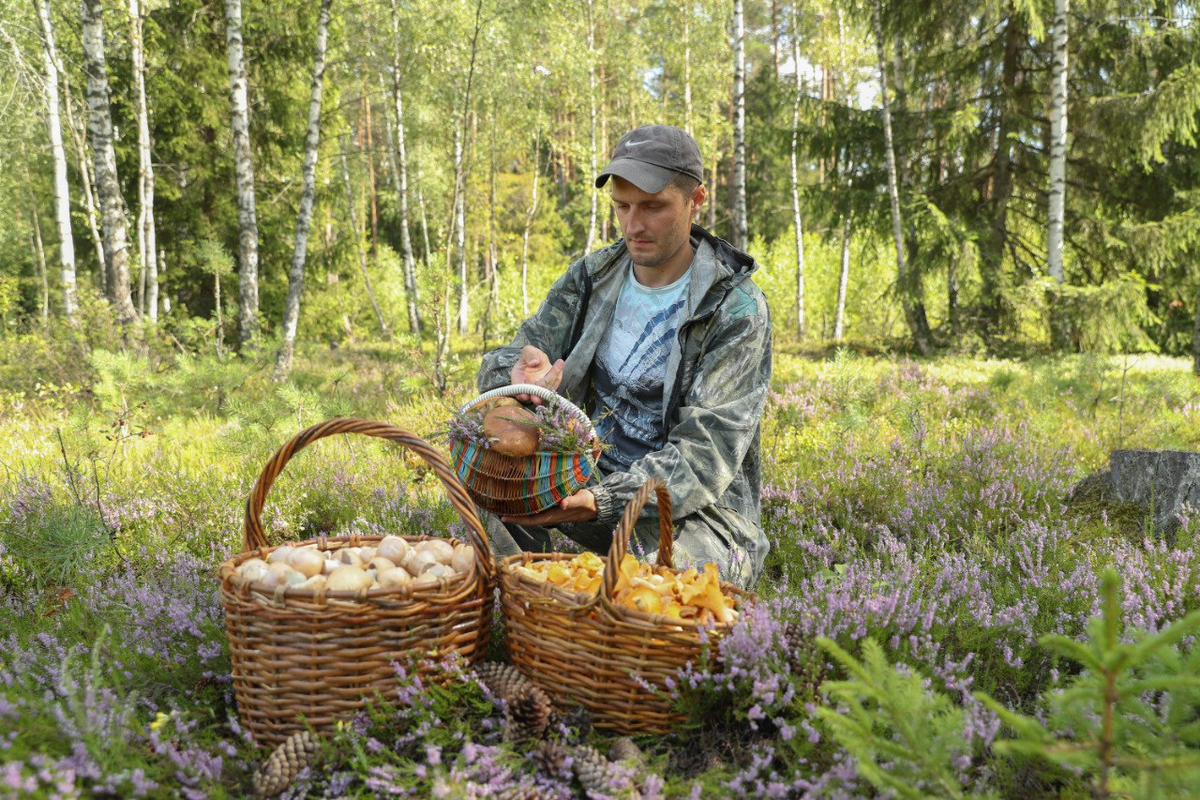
x=112, y=207
x=411, y=294
x=243, y=165
x=362, y=256
x=85, y=173
x=839, y=315
x=62, y=192
x=797, y=219
x=40, y=251
x=740, y=232
x=529, y=215
x=460, y=233
x=1058, y=142
x=147, y=246
x=291, y=311
x=890, y=152
x=595, y=193
x=687, y=67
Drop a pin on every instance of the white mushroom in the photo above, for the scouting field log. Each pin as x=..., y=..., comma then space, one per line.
x=396, y=576
x=393, y=548
x=350, y=556
x=441, y=549
x=252, y=570
x=280, y=554
x=381, y=564
x=347, y=578
x=463, y=558
x=307, y=561
x=420, y=562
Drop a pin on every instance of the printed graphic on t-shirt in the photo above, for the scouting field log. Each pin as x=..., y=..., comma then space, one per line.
x=631, y=365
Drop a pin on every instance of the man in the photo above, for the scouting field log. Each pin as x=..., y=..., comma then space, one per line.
x=666, y=343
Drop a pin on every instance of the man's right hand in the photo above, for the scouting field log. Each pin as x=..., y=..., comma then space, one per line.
x=534, y=367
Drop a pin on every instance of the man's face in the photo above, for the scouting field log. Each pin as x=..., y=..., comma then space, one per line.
x=655, y=226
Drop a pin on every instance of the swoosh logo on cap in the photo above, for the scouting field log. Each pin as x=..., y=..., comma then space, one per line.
x=635, y=144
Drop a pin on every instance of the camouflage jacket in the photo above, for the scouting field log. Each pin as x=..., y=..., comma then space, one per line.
x=715, y=388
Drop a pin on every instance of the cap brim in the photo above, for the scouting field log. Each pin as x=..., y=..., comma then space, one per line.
x=650, y=178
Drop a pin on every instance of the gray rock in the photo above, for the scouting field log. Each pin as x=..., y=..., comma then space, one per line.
x=1164, y=482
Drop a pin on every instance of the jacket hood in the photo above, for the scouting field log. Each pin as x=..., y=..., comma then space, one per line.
x=739, y=262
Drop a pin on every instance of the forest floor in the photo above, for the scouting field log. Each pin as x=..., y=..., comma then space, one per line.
x=918, y=504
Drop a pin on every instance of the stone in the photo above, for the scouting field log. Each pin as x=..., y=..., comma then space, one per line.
x=1164, y=483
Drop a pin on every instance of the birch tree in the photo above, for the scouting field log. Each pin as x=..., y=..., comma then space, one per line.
x=90, y=204
x=108, y=188
x=147, y=239
x=62, y=197
x=411, y=296
x=740, y=225
x=530, y=213
x=362, y=256
x=592, y=190
x=797, y=219
x=291, y=310
x=1058, y=142
x=243, y=167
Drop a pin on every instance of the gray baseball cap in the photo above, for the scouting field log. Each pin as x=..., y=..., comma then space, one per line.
x=651, y=156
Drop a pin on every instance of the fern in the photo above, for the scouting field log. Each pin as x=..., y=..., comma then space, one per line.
x=1130, y=722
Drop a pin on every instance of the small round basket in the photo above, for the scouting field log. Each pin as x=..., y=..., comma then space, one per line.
x=585, y=649
x=505, y=484
x=306, y=658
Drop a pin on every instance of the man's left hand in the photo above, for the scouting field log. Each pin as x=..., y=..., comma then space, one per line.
x=579, y=507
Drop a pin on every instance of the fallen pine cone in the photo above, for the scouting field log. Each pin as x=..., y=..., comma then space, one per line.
x=503, y=680
x=285, y=763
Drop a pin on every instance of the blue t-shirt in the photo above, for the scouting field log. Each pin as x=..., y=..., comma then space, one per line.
x=631, y=365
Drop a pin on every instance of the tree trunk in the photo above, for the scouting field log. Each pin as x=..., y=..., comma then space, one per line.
x=797, y=219
x=529, y=215
x=220, y=315
x=775, y=38
x=592, y=190
x=1196, y=340
x=85, y=174
x=1058, y=163
x=239, y=112
x=424, y=223
x=366, y=101
x=147, y=246
x=39, y=251
x=112, y=207
x=740, y=232
x=62, y=192
x=903, y=286
x=687, y=67
x=492, y=271
x=362, y=255
x=1002, y=184
x=411, y=295
x=843, y=282
x=291, y=312
x=460, y=233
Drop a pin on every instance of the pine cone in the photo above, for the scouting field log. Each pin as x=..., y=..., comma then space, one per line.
x=594, y=770
x=528, y=714
x=551, y=758
x=803, y=659
x=503, y=680
x=285, y=763
x=624, y=749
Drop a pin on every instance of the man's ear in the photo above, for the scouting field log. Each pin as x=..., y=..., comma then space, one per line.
x=698, y=198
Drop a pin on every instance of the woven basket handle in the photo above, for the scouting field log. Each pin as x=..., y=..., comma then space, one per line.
x=549, y=395
x=253, y=536
x=620, y=543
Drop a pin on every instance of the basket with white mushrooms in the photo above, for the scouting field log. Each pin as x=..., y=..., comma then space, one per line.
x=317, y=628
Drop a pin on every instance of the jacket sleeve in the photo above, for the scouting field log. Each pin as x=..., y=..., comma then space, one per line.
x=548, y=329
x=714, y=426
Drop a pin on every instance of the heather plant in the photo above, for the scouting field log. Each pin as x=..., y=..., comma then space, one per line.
x=1127, y=723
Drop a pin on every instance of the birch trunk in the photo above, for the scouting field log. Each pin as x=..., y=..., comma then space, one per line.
x=529, y=215
x=147, y=246
x=112, y=208
x=1058, y=142
x=492, y=265
x=62, y=192
x=797, y=219
x=412, y=296
x=839, y=315
x=902, y=282
x=85, y=175
x=740, y=232
x=428, y=250
x=39, y=251
x=371, y=188
x=362, y=256
x=291, y=311
x=595, y=193
x=239, y=113
x=460, y=234
x=687, y=68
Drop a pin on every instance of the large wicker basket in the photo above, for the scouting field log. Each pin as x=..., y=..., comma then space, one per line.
x=520, y=486
x=309, y=658
x=585, y=649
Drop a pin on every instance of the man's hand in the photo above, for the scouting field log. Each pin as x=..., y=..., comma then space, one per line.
x=534, y=367
x=579, y=507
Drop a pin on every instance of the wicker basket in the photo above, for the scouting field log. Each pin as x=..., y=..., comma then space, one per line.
x=305, y=658
x=520, y=486
x=584, y=648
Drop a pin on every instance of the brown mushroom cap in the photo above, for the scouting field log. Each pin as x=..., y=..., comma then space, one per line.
x=512, y=430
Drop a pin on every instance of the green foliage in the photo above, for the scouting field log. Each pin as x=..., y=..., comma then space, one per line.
x=892, y=718
x=1127, y=723
x=54, y=544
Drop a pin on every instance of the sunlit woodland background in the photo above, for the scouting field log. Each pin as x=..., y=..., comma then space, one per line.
x=450, y=150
